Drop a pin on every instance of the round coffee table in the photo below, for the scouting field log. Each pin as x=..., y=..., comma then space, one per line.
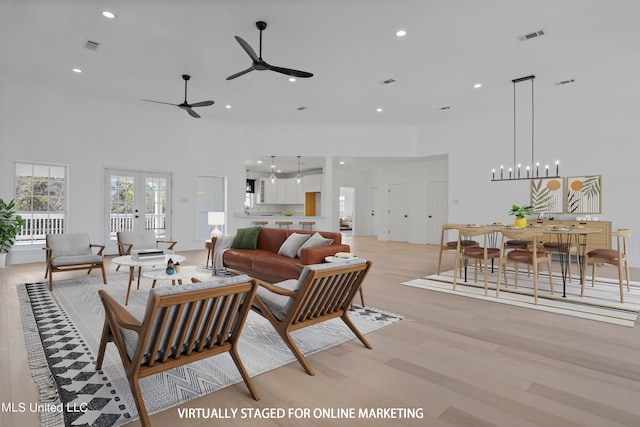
x=128, y=261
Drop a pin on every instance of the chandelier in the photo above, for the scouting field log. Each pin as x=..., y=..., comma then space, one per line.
x=516, y=171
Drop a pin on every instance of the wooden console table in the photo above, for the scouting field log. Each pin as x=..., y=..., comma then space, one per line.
x=596, y=240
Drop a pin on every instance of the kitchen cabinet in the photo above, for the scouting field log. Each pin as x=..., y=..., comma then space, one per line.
x=312, y=183
x=285, y=191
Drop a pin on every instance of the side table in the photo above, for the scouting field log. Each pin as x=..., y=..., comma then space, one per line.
x=160, y=274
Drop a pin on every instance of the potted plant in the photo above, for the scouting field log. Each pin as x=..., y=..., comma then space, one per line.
x=10, y=225
x=520, y=212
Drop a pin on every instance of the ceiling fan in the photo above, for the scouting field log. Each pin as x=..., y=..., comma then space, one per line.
x=258, y=63
x=185, y=105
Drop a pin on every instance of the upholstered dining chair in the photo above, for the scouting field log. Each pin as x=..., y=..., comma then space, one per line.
x=530, y=256
x=479, y=254
x=451, y=245
x=181, y=324
x=322, y=292
x=617, y=257
x=72, y=251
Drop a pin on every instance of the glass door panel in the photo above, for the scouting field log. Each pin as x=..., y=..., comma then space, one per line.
x=137, y=201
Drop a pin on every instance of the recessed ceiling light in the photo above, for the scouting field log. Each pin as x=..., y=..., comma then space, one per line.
x=379, y=110
x=77, y=70
x=477, y=85
x=279, y=171
x=342, y=162
x=227, y=107
x=401, y=33
x=108, y=14
x=259, y=161
x=292, y=79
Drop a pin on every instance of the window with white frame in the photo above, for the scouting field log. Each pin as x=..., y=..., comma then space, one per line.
x=41, y=200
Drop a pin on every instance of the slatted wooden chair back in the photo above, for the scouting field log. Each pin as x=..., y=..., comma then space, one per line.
x=325, y=294
x=322, y=292
x=182, y=324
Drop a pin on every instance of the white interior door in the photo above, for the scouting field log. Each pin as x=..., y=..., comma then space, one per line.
x=374, y=208
x=399, y=212
x=135, y=201
x=438, y=200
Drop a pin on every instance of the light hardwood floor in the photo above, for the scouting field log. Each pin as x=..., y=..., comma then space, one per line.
x=465, y=362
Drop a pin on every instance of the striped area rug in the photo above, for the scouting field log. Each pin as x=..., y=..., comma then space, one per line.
x=600, y=303
x=62, y=332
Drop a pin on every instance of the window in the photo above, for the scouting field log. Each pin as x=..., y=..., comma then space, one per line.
x=41, y=199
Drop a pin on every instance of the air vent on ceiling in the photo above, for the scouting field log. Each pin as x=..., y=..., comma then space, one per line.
x=301, y=108
x=388, y=81
x=91, y=45
x=566, y=82
x=445, y=108
x=532, y=35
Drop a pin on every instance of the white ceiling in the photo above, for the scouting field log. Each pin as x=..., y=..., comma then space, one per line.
x=349, y=45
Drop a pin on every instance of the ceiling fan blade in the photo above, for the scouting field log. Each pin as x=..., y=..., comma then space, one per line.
x=290, y=72
x=202, y=104
x=160, y=102
x=247, y=48
x=241, y=73
x=192, y=113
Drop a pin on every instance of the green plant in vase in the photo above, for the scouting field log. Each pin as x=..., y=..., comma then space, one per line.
x=10, y=226
x=521, y=212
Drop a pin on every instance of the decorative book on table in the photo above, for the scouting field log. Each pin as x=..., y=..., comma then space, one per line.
x=142, y=254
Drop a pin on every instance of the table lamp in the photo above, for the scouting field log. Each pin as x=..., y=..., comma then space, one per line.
x=216, y=219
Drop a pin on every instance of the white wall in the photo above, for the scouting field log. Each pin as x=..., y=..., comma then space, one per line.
x=590, y=135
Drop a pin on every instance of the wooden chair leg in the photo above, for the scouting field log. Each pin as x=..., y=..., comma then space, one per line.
x=621, y=281
x=106, y=337
x=345, y=318
x=550, y=278
x=104, y=274
x=243, y=372
x=296, y=352
x=626, y=264
x=137, y=397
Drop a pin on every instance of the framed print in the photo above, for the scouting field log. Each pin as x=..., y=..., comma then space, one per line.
x=584, y=194
x=547, y=195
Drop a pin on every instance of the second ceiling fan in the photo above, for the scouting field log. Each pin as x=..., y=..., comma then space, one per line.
x=259, y=64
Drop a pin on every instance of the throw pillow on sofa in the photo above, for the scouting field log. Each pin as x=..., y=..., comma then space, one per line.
x=246, y=238
x=292, y=244
x=315, y=240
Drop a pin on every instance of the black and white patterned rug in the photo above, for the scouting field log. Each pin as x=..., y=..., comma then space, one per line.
x=62, y=332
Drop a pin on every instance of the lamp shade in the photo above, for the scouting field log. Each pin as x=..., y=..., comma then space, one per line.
x=216, y=218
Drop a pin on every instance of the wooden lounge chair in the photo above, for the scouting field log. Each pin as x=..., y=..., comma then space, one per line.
x=72, y=251
x=128, y=240
x=322, y=292
x=182, y=324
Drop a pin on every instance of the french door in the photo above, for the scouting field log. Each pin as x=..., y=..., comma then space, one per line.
x=136, y=201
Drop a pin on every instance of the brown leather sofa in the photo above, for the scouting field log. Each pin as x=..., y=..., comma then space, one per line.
x=265, y=263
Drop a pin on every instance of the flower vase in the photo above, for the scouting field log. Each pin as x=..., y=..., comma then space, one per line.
x=521, y=222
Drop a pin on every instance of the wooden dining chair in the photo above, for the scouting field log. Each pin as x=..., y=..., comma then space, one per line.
x=452, y=244
x=480, y=254
x=530, y=255
x=617, y=257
